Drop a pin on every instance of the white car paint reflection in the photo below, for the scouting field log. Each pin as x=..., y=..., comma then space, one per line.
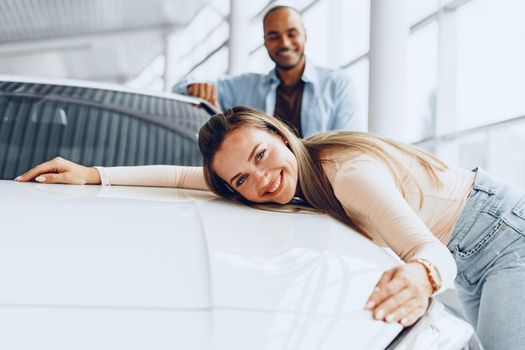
x=86, y=267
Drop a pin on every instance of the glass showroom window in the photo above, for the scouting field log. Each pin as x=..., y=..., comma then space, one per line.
x=317, y=23
x=214, y=67
x=359, y=74
x=480, y=77
x=494, y=149
x=417, y=10
x=421, y=80
x=504, y=158
x=204, y=34
x=490, y=56
x=259, y=61
x=216, y=39
x=333, y=40
x=257, y=9
x=351, y=37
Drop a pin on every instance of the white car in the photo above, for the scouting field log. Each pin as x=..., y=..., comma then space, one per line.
x=95, y=267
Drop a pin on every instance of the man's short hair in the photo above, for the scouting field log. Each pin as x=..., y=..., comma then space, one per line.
x=280, y=7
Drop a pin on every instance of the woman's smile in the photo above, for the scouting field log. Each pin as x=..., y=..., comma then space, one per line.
x=275, y=185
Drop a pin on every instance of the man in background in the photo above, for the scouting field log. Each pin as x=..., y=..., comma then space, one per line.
x=309, y=98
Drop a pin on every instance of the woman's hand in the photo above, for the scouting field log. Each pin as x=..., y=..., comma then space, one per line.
x=59, y=170
x=401, y=295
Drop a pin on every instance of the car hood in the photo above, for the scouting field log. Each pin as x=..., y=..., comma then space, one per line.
x=158, y=268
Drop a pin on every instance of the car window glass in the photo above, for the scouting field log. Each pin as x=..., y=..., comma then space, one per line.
x=93, y=127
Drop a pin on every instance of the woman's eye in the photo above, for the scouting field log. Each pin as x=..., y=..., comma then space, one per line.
x=260, y=155
x=240, y=180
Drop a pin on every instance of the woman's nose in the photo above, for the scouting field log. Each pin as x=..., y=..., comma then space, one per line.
x=263, y=178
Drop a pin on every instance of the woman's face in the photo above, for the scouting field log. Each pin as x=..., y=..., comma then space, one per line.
x=258, y=165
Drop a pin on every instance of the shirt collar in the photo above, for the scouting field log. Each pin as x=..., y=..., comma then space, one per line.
x=310, y=74
x=272, y=76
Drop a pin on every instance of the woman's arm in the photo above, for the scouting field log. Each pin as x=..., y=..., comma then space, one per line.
x=59, y=170
x=154, y=175
x=367, y=189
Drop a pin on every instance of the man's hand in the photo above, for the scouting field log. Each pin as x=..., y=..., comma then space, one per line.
x=205, y=91
x=401, y=295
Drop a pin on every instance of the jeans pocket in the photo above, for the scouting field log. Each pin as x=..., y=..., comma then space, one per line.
x=480, y=235
x=476, y=256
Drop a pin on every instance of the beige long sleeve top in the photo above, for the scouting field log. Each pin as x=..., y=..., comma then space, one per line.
x=368, y=192
x=154, y=175
x=416, y=225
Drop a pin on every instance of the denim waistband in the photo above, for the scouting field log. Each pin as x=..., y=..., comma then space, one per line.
x=485, y=183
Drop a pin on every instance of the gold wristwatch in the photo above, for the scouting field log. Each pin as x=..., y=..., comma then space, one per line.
x=433, y=274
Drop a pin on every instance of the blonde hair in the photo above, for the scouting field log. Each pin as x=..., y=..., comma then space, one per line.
x=377, y=146
x=314, y=185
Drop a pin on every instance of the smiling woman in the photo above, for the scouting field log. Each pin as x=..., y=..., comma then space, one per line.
x=395, y=194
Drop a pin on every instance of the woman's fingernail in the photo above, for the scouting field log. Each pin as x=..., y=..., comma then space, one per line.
x=370, y=305
x=18, y=178
x=40, y=178
x=404, y=321
x=376, y=289
x=379, y=314
x=389, y=318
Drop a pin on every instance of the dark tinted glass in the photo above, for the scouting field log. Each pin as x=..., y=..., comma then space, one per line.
x=94, y=127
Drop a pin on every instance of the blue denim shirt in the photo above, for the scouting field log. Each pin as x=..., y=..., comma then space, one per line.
x=329, y=101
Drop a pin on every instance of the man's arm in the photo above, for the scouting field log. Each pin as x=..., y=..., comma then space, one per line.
x=223, y=93
x=347, y=116
x=205, y=90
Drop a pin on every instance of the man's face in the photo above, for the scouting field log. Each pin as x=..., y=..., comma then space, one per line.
x=284, y=38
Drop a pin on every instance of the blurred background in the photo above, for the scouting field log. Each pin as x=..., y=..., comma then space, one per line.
x=458, y=65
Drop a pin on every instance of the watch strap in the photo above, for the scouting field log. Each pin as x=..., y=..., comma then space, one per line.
x=432, y=273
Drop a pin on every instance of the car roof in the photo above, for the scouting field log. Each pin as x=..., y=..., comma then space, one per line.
x=105, y=86
x=135, y=267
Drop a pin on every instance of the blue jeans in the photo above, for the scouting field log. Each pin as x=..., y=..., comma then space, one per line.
x=488, y=245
